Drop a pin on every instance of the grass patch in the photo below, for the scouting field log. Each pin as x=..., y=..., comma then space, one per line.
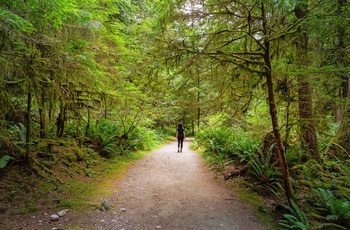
x=73, y=204
x=29, y=209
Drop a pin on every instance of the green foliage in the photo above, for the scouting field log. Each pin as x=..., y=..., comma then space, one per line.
x=145, y=139
x=15, y=22
x=228, y=142
x=326, y=191
x=104, y=57
x=245, y=146
x=107, y=137
x=262, y=169
x=19, y=131
x=103, y=136
x=273, y=188
x=4, y=160
x=224, y=146
x=218, y=144
x=294, y=219
x=216, y=140
x=294, y=155
x=310, y=170
x=332, y=207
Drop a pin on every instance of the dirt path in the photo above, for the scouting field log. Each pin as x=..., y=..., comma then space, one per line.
x=170, y=190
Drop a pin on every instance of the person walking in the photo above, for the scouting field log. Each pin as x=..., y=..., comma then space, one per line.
x=180, y=135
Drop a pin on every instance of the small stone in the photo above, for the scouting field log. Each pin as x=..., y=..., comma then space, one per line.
x=105, y=205
x=123, y=209
x=158, y=227
x=54, y=217
x=62, y=213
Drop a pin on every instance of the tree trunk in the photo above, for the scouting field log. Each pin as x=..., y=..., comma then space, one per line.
x=28, y=123
x=60, y=121
x=42, y=116
x=342, y=50
x=88, y=121
x=342, y=109
x=193, y=124
x=307, y=128
x=273, y=113
x=198, y=101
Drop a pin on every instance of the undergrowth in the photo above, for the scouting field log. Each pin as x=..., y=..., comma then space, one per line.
x=78, y=172
x=322, y=199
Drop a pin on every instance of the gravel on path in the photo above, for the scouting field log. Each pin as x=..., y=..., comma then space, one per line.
x=175, y=191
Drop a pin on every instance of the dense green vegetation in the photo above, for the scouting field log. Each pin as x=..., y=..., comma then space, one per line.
x=263, y=85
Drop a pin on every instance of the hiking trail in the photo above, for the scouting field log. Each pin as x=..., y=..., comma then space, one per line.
x=171, y=190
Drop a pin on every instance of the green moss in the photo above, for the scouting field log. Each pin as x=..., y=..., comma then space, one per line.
x=263, y=213
x=96, y=180
x=29, y=209
x=77, y=204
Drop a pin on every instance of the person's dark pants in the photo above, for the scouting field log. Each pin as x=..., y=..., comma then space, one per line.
x=180, y=142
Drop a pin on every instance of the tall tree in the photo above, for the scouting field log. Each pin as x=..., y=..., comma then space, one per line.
x=342, y=13
x=237, y=38
x=308, y=131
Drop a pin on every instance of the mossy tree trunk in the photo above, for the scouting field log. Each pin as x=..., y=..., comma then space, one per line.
x=273, y=110
x=28, y=122
x=42, y=115
x=61, y=120
x=307, y=128
x=343, y=110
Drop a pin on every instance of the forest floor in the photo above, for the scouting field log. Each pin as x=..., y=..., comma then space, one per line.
x=164, y=190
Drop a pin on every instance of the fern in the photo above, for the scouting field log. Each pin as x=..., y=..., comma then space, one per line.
x=20, y=131
x=245, y=147
x=334, y=208
x=4, y=160
x=295, y=219
x=262, y=170
x=273, y=189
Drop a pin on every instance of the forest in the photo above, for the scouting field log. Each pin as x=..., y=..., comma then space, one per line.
x=262, y=85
